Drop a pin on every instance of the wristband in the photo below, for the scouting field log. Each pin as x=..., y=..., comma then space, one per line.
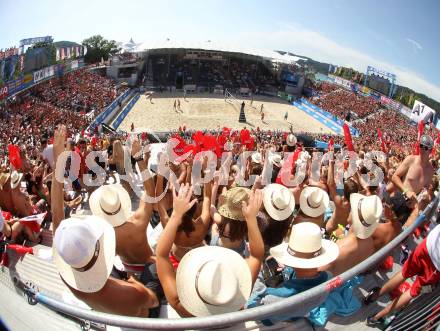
x=405, y=190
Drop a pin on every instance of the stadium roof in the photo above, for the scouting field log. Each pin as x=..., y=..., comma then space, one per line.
x=209, y=45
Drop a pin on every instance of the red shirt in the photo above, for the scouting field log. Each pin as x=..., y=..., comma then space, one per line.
x=419, y=264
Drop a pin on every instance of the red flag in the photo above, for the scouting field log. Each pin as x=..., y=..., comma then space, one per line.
x=20, y=250
x=289, y=165
x=331, y=145
x=348, y=139
x=420, y=129
x=179, y=148
x=14, y=156
x=383, y=146
x=197, y=137
x=33, y=222
x=226, y=131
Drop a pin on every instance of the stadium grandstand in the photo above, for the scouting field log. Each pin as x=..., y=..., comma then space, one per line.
x=196, y=186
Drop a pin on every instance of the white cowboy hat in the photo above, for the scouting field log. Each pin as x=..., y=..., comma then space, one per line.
x=291, y=140
x=365, y=214
x=432, y=245
x=112, y=203
x=278, y=201
x=213, y=280
x=306, y=248
x=229, y=145
x=15, y=179
x=256, y=157
x=276, y=160
x=84, y=251
x=313, y=201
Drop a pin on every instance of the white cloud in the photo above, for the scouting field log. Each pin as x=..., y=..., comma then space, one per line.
x=310, y=43
x=415, y=45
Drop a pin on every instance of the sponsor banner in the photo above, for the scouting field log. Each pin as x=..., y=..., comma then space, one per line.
x=3, y=91
x=31, y=41
x=43, y=73
x=422, y=112
x=68, y=53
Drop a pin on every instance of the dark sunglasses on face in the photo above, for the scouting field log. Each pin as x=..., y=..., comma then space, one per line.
x=425, y=148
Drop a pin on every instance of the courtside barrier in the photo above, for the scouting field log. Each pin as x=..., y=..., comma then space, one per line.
x=125, y=111
x=283, y=307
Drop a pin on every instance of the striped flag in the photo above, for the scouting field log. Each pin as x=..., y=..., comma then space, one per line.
x=33, y=222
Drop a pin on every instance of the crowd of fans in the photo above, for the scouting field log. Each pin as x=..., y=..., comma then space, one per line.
x=79, y=90
x=262, y=228
x=340, y=102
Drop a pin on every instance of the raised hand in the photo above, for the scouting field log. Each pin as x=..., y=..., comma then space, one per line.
x=59, y=141
x=251, y=209
x=182, y=201
x=136, y=148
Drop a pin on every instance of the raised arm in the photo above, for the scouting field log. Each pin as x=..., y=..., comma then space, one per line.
x=167, y=276
x=56, y=194
x=145, y=208
x=256, y=244
x=331, y=179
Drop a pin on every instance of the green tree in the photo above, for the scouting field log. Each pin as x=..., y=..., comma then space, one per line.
x=98, y=47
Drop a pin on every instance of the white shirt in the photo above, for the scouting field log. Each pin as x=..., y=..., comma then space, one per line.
x=48, y=155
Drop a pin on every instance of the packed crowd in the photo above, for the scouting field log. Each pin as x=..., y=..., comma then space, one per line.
x=80, y=90
x=243, y=233
x=340, y=102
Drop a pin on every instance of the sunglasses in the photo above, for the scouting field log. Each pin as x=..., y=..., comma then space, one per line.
x=425, y=148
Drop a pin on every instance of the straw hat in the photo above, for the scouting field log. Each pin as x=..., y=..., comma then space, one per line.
x=432, y=245
x=15, y=179
x=232, y=208
x=213, y=280
x=313, y=201
x=4, y=177
x=306, y=248
x=365, y=213
x=278, y=201
x=291, y=140
x=256, y=157
x=275, y=159
x=112, y=203
x=83, y=252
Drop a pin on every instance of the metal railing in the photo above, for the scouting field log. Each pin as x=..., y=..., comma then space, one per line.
x=282, y=307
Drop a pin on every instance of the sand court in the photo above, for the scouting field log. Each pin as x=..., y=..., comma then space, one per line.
x=207, y=111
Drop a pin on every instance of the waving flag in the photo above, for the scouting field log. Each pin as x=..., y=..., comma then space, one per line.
x=33, y=222
x=331, y=144
x=348, y=139
x=289, y=165
x=420, y=129
x=14, y=156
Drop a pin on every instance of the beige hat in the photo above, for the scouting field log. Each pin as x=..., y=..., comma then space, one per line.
x=15, y=179
x=313, y=201
x=291, y=140
x=4, y=177
x=365, y=214
x=84, y=251
x=112, y=203
x=278, y=201
x=306, y=248
x=232, y=208
x=213, y=280
x=276, y=160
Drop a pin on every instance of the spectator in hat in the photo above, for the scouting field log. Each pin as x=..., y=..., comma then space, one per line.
x=358, y=244
x=213, y=291
x=84, y=252
x=113, y=203
x=313, y=203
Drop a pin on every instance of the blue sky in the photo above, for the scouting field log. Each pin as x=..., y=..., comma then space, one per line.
x=400, y=36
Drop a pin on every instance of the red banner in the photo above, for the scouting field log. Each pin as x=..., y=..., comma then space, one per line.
x=348, y=139
x=14, y=156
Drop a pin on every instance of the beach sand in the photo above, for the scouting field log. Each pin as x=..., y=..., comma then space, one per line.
x=208, y=111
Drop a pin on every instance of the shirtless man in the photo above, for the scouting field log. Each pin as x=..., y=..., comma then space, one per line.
x=133, y=298
x=131, y=237
x=412, y=175
x=342, y=203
